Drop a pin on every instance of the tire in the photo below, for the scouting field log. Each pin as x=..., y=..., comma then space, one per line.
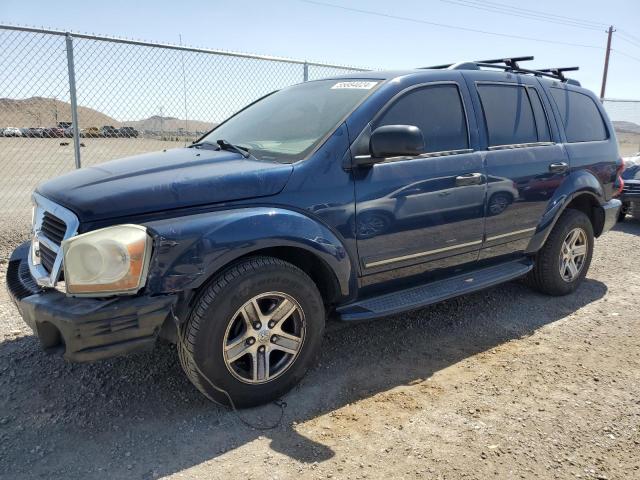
x=207, y=339
x=622, y=215
x=499, y=202
x=546, y=276
x=371, y=224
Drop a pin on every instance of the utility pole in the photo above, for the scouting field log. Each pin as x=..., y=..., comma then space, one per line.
x=606, y=62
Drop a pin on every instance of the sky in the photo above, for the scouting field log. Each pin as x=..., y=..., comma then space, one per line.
x=397, y=34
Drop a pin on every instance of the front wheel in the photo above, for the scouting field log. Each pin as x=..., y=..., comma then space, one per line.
x=563, y=261
x=253, y=332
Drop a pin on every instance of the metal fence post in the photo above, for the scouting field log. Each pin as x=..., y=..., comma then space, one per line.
x=305, y=72
x=74, y=100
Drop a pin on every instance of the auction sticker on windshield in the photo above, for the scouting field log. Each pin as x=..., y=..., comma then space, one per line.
x=356, y=85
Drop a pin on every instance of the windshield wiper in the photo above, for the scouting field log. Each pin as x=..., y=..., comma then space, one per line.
x=224, y=145
x=204, y=144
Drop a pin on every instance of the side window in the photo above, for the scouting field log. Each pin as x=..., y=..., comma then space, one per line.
x=437, y=110
x=508, y=114
x=580, y=116
x=542, y=124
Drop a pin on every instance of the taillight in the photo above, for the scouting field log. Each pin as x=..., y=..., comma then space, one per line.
x=619, y=183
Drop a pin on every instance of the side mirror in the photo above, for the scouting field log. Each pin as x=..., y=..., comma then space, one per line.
x=396, y=141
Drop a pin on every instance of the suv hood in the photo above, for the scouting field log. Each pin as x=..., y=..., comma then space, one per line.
x=165, y=180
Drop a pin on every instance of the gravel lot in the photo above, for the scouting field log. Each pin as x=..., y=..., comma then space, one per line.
x=505, y=383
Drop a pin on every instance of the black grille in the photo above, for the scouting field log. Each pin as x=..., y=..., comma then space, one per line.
x=53, y=228
x=19, y=281
x=631, y=187
x=47, y=257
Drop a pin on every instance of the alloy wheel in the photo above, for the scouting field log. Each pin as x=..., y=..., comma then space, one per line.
x=573, y=254
x=264, y=337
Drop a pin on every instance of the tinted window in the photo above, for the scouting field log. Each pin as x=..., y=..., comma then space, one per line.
x=632, y=173
x=542, y=125
x=508, y=114
x=580, y=116
x=437, y=110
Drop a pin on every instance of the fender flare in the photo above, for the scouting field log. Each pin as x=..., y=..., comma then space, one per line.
x=579, y=182
x=189, y=250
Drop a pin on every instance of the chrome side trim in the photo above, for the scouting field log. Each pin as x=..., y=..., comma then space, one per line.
x=520, y=145
x=421, y=254
x=510, y=234
x=442, y=153
x=38, y=272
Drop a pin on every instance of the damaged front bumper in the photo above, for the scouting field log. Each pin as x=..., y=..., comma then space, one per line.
x=85, y=329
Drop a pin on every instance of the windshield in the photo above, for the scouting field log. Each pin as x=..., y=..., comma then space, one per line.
x=287, y=125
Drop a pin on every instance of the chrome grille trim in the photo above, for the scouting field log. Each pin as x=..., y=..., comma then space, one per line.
x=41, y=205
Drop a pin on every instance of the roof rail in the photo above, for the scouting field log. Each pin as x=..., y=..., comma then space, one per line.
x=511, y=64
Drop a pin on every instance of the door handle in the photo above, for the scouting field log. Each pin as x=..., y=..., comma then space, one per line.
x=559, y=167
x=468, y=179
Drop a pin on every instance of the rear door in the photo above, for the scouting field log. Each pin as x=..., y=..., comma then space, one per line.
x=524, y=159
x=427, y=209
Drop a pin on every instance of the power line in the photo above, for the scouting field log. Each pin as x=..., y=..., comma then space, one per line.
x=627, y=34
x=626, y=38
x=524, y=13
x=615, y=50
x=573, y=19
x=444, y=25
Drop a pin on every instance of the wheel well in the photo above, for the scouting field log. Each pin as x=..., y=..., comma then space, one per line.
x=588, y=205
x=318, y=270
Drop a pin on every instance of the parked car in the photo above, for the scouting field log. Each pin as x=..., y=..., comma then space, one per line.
x=32, y=132
x=53, y=132
x=127, y=132
x=12, y=132
x=90, y=132
x=109, y=131
x=631, y=191
x=67, y=129
x=239, y=246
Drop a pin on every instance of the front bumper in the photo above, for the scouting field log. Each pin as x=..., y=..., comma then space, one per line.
x=85, y=329
x=611, y=209
x=630, y=201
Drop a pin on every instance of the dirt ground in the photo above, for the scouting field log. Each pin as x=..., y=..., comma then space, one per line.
x=505, y=383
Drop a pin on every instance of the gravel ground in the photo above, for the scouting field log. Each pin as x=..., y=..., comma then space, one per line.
x=505, y=383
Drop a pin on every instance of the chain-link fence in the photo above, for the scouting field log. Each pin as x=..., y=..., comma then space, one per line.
x=625, y=115
x=70, y=100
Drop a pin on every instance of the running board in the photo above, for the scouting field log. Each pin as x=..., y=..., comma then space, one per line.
x=423, y=295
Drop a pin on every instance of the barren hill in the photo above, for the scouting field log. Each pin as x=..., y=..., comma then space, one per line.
x=47, y=112
x=626, y=127
x=169, y=124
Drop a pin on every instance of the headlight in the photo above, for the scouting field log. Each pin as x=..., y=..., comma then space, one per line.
x=110, y=261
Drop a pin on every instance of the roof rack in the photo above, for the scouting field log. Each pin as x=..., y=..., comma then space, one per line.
x=559, y=72
x=511, y=64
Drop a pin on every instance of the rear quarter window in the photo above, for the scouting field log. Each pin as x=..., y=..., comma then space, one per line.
x=580, y=116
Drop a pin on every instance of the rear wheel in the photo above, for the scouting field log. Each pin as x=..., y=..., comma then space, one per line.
x=563, y=261
x=253, y=332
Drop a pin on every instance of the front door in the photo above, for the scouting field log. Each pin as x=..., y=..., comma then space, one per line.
x=427, y=209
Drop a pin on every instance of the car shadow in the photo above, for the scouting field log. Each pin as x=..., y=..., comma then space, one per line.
x=630, y=225
x=139, y=417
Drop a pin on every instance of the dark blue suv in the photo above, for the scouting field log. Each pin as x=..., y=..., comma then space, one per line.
x=352, y=198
